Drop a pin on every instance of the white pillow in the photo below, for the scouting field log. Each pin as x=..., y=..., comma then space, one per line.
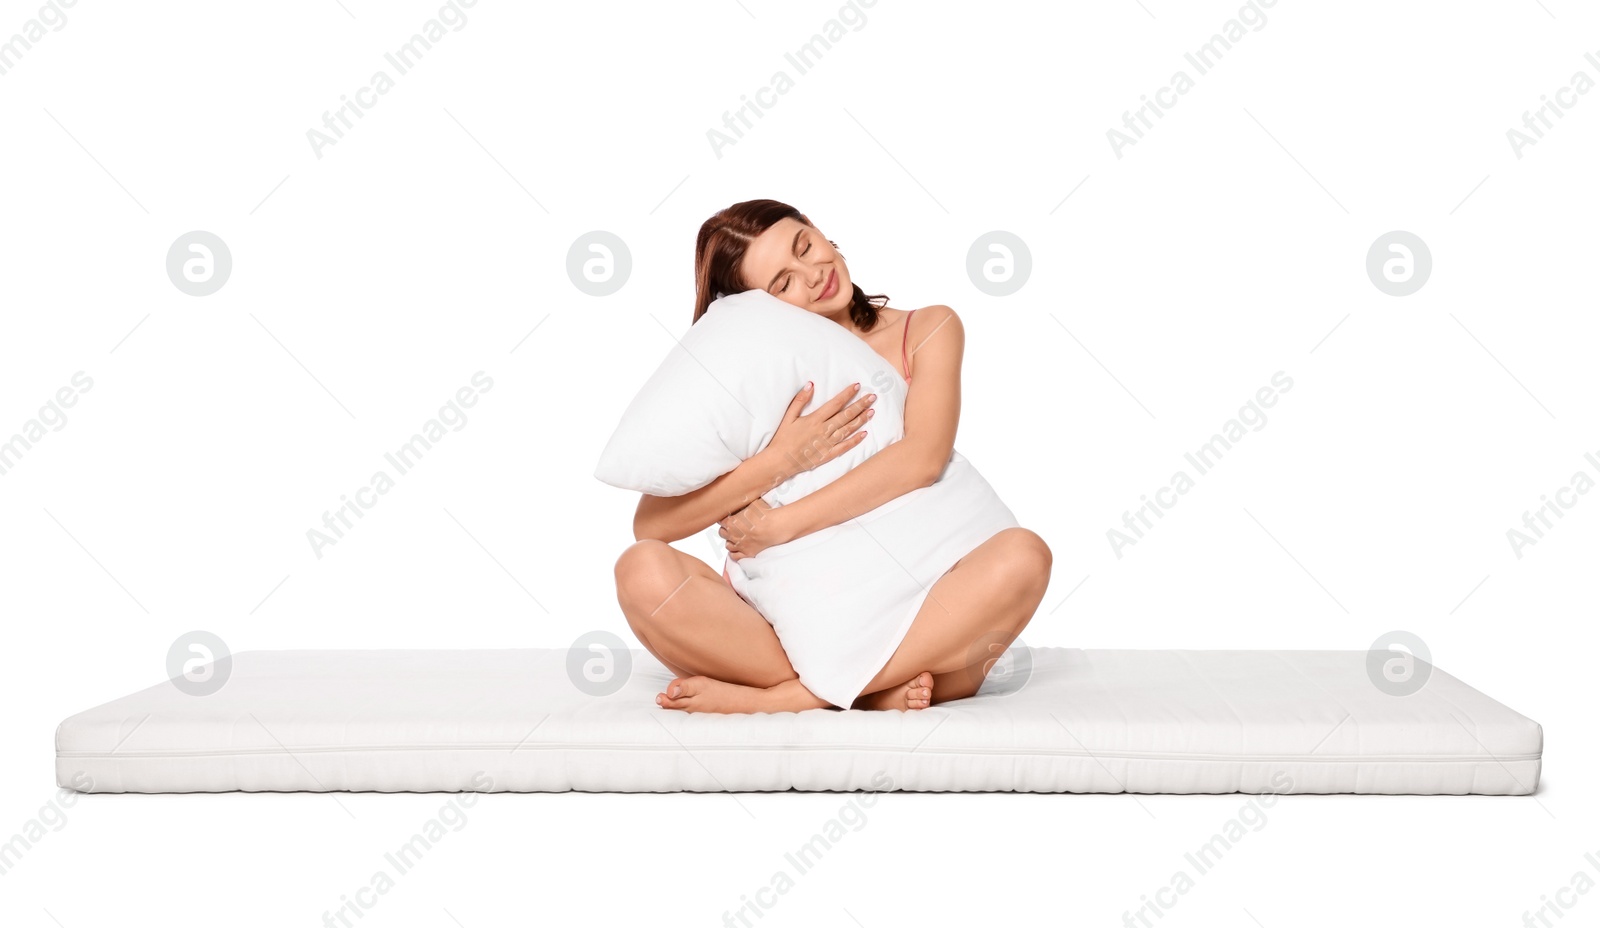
x=720, y=394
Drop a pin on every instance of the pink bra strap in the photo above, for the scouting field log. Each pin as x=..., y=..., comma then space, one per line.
x=904, y=361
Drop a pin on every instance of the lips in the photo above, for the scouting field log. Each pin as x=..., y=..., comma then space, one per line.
x=831, y=287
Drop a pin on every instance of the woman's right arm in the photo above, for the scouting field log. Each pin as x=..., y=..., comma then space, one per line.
x=799, y=444
x=670, y=518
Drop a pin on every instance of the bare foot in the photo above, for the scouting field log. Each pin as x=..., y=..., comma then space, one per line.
x=917, y=693
x=707, y=694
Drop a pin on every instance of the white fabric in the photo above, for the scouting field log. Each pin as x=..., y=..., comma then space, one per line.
x=721, y=392
x=1081, y=721
x=842, y=599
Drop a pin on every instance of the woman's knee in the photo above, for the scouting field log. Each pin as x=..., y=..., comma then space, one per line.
x=1027, y=554
x=644, y=572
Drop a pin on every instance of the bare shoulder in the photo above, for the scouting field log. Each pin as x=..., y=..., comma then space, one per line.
x=937, y=319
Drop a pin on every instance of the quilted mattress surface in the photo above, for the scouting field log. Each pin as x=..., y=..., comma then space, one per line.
x=1104, y=721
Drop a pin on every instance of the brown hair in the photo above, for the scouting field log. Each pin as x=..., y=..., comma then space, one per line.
x=719, y=252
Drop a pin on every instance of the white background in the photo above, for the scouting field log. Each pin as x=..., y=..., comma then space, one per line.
x=369, y=284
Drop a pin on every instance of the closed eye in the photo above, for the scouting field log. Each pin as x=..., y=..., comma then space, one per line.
x=791, y=276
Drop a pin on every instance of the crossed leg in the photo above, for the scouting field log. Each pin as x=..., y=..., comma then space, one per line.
x=726, y=656
x=972, y=614
x=728, y=659
x=692, y=621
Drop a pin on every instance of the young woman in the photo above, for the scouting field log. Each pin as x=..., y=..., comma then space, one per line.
x=726, y=656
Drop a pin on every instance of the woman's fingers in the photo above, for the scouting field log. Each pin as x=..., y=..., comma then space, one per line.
x=850, y=427
x=799, y=401
x=857, y=409
x=831, y=407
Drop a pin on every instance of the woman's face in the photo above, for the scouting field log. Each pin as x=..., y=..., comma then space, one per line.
x=794, y=262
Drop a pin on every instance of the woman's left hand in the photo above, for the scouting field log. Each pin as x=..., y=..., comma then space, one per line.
x=752, y=529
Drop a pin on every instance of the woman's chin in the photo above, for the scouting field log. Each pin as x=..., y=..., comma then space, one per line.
x=833, y=305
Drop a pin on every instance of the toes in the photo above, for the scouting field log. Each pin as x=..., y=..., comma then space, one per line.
x=919, y=694
x=678, y=693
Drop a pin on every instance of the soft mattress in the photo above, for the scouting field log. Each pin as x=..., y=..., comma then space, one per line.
x=1059, y=720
